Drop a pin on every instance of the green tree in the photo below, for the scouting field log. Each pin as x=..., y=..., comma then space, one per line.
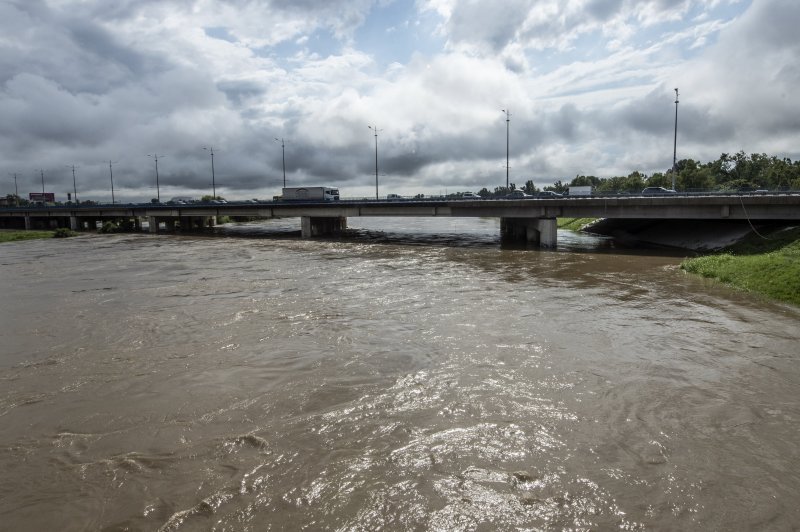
x=530, y=187
x=585, y=181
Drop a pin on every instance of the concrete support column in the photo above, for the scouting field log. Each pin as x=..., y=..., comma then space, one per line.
x=548, y=232
x=27, y=223
x=73, y=223
x=321, y=226
x=542, y=232
x=153, y=222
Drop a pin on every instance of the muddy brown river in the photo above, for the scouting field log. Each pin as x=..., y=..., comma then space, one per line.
x=414, y=375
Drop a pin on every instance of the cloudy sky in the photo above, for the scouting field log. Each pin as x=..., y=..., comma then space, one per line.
x=589, y=85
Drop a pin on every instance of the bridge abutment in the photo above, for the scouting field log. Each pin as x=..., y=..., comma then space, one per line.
x=542, y=232
x=319, y=226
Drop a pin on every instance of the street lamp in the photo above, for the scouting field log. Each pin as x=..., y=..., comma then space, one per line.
x=74, y=185
x=16, y=189
x=158, y=190
x=508, y=119
x=375, y=129
x=111, y=175
x=675, y=143
x=283, y=157
x=213, y=180
x=42, y=172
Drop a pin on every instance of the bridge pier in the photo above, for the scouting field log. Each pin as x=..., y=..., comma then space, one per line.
x=27, y=223
x=152, y=222
x=73, y=223
x=319, y=226
x=542, y=232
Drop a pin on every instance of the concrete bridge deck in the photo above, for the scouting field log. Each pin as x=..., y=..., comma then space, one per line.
x=532, y=219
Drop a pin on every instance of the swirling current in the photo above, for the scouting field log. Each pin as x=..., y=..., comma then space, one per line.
x=413, y=375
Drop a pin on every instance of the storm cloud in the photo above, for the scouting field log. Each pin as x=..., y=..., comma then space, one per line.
x=589, y=84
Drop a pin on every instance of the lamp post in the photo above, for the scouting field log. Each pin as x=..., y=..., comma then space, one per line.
x=111, y=175
x=158, y=190
x=16, y=189
x=375, y=129
x=283, y=158
x=508, y=119
x=42, y=173
x=213, y=179
x=675, y=143
x=74, y=185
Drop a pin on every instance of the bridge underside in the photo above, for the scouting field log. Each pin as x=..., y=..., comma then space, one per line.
x=322, y=225
x=540, y=232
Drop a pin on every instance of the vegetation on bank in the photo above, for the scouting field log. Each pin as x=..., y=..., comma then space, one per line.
x=731, y=172
x=14, y=235
x=574, y=224
x=769, y=266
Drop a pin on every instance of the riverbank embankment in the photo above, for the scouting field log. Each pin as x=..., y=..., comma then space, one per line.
x=766, y=264
x=764, y=260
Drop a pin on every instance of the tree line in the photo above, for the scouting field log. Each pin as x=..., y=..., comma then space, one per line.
x=736, y=172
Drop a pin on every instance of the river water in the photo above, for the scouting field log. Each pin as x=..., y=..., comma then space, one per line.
x=415, y=375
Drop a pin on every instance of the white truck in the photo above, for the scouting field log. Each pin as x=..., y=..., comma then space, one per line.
x=580, y=191
x=310, y=194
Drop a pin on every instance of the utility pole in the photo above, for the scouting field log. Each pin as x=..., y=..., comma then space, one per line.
x=675, y=143
x=42, y=172
x=508, y=119
x=283, y=157
x=375, y=129
x=213, y=179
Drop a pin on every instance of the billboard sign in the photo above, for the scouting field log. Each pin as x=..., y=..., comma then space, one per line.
x=42, y=196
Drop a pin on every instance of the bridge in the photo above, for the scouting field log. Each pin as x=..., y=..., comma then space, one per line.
x=531, y=219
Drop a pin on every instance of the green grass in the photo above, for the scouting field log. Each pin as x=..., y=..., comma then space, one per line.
x=13, y=236
x=574, y=224
x=770, y=266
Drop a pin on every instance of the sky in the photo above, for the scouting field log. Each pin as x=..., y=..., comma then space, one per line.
x=589, y=87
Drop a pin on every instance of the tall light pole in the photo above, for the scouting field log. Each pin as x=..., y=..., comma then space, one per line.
x=42, y=172
x=213, y=179
x=675, y=143
x=375, y=129
x=508, y=119
x=16, y=189
x=283, y=157
x=111, y=175
x=74, y=184
x=158, y=190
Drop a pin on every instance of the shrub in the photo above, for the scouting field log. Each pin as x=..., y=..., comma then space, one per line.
x=63, y=232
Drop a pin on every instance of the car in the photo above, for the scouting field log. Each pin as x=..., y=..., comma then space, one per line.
x=657, y=191
x=517, y=194
x=470, y=195
x=548, y=194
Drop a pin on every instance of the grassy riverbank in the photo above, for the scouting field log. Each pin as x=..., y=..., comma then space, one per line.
x=13, y=235
x=574, y=224
x=769, y=266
